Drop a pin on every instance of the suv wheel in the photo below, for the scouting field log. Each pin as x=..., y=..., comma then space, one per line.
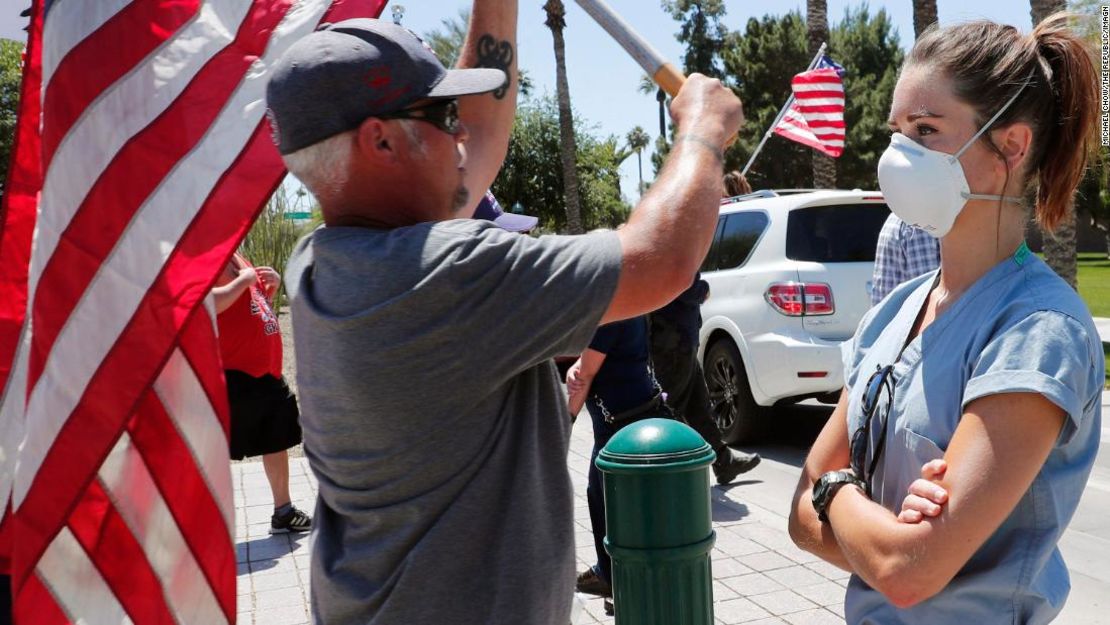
x=739, y=417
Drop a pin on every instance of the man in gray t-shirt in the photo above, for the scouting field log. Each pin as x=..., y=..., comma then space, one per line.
x=432, y=413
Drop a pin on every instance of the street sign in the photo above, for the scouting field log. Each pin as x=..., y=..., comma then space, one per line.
x=299, y=215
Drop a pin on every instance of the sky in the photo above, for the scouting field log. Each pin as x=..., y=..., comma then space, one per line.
x=603, y=79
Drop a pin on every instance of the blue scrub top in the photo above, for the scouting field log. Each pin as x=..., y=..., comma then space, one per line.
x=1019, y=328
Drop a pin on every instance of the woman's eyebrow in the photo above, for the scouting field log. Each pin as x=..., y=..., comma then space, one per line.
x=912, y=117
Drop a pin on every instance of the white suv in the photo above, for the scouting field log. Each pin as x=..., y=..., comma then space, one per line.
x=789, y=278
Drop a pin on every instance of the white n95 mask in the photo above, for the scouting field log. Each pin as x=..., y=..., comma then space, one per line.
x=927, y=188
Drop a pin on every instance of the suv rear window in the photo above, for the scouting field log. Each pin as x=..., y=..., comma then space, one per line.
x=837, y=233
x=736, y=236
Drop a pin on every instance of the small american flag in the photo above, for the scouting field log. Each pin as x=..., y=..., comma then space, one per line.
x=816, y=116
x=150, y=162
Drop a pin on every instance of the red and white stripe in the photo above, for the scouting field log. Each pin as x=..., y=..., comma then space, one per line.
x=816, y=116
x=155, y=158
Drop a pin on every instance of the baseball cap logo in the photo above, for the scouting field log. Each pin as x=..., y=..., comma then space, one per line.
x=384, y=92
x=378, y=77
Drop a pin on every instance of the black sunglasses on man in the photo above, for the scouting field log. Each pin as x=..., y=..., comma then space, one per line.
x=443, y=114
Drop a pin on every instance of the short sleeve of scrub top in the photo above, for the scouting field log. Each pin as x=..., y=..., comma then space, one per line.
x=1046, y=353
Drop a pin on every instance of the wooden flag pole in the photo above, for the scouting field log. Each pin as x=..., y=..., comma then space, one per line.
x=665, y=74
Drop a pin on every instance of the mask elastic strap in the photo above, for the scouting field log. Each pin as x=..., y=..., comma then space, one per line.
x=995, y=118
x=1000, y=198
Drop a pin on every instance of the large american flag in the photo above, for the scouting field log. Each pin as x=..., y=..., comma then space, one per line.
x=815, y=117
x=151, y=160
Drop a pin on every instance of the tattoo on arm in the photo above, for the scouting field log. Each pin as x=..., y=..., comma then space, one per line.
x=497, y=55
x=717, y=152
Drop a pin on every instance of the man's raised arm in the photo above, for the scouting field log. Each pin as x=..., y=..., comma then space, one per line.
x=668, y=235
x=490, y=42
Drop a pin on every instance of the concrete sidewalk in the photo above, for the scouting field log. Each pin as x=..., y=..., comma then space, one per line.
x=760, y=577
x=1103, y=326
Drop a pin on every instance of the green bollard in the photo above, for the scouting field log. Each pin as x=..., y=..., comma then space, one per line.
x=659, y=523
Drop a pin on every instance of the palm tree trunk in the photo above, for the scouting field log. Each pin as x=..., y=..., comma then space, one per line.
x=556, y=21
x=640, y=167
x=817, y=27
x=924, y=15
x=1040, y=9
x=1060, y=247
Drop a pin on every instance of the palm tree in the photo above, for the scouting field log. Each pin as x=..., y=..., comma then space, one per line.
x=1059, y=247
x=637, y=141
x=817, y=27
x=924, y=15
x=556, y=21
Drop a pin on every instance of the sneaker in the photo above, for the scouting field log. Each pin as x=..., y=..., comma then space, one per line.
x=731, y=463
x=609, y=607
x=293, y=521
x=590, y=582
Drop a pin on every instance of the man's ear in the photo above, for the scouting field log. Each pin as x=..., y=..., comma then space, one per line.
x=377, y=141
x=1015, y=141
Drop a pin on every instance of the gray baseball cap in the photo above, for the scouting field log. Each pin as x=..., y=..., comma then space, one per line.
x=336, y=77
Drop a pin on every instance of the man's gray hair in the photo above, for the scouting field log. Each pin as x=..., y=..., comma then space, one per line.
x=323, y=166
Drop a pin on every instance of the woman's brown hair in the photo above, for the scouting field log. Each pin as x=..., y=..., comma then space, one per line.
x=736, y=184
x=988, y=62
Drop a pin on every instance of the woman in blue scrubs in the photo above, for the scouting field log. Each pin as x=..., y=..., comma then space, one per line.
x=971, y=413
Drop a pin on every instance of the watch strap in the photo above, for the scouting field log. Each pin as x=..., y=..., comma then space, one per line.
x=828, y=485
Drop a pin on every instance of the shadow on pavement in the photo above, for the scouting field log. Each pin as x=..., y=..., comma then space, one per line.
x=790, y=433
x=732, y=485
x=726, y=510
x=264, y=552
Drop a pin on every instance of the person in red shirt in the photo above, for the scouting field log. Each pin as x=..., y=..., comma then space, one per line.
x=263, y=409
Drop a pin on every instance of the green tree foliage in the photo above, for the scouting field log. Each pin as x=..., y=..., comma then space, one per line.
x=1092, y=202
x=271, y=239
x=771, y=50
x=762, y=60
x=705, y=39
x=702, y=32
x=11, y=74
x=868, y=47
x=447, y=40
x=532, y=173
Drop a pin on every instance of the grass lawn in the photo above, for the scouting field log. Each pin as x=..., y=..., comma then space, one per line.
x=1094, y=283
x=1094, y=287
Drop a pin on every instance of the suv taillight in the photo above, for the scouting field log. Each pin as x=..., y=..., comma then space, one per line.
x=798, y=299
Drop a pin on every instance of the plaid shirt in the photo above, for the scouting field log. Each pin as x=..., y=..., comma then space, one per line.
x=903, y=252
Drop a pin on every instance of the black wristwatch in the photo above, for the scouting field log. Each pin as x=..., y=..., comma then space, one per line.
x=826, y=487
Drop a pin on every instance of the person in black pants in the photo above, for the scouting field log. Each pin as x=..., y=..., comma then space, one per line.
x=674, y=352
x=613, y=380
